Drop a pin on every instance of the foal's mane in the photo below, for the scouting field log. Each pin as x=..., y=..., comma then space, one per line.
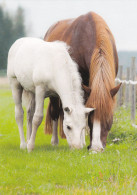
x=72, y=69
x=102, y=73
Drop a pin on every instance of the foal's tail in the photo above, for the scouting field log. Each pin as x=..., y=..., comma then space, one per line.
x=49, y=123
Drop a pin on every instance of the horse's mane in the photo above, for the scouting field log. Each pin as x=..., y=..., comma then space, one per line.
x=102, y=73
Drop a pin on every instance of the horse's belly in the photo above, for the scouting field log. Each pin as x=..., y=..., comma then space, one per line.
x=27, y=85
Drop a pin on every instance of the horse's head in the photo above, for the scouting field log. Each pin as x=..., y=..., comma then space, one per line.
x=101, y=120
x=74, y=124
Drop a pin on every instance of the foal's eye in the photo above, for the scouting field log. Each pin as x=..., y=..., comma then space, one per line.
x=68, y=127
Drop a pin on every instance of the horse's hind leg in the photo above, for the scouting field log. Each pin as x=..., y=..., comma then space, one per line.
x=30, y=113
x=55, y=115
x=38, y=116
x=54, y=139
x=17, y=96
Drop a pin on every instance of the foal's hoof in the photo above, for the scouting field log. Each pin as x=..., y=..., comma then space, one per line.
x=23, y=146
x=30, y=147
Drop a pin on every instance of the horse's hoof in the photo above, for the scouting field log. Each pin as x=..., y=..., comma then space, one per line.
x=54, y=142
x=23, y=146
x=30, y=147
x=95, y=149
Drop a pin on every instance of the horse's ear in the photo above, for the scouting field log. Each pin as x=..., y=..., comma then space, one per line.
x=115, y=90
x=68, y=110
x=86, y=89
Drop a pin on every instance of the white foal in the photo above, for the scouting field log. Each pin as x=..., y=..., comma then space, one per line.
x=45, y=69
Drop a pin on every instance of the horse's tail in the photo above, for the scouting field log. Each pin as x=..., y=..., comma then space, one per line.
x=49, y=123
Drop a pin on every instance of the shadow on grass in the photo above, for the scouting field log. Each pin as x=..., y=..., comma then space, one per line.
x=43, y=147
x=48, y=147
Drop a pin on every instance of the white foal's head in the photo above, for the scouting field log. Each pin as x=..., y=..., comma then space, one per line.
x=74, y=124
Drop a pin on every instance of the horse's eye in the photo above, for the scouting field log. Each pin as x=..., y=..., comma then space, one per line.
x=68, y=127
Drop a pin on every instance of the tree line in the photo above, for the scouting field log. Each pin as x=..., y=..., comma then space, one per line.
x=11, y=28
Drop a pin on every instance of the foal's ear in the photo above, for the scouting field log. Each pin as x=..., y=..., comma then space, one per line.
x=86, y=89
x=88, y=110
x=115, y=90
x=68, y=110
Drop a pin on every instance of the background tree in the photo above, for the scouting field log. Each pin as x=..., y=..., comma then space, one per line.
x=11, y=28
x=19, y=27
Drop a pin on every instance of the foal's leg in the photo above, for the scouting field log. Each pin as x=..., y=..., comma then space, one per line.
x=55, y=115
x=38, y=116
x=17, y=96
x=83, y=137
x=30, y=113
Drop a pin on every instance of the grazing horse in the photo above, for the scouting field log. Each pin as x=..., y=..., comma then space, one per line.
x=43, y=70
x=93, y=49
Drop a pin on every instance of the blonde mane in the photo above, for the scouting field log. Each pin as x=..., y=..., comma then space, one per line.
x=102, y=73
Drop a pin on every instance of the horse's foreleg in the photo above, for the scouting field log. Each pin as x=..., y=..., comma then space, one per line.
x=38, y=116
x=54, y=139
x=96, y=137
x=90, y=124
x=91, y=129
x=30, y=113
x=17, y=96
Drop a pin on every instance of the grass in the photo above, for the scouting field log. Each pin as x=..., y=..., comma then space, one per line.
x=59, y=170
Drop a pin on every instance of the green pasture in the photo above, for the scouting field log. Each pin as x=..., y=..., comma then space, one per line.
x=59, y=170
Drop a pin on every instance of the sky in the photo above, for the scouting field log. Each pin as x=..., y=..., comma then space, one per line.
x=120, y=15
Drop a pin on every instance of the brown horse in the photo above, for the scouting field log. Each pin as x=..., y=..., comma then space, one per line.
x=93, y=48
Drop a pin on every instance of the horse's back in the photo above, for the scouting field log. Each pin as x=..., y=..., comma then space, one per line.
x=81, y=35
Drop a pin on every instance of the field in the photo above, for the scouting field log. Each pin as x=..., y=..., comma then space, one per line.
x=59, y=170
